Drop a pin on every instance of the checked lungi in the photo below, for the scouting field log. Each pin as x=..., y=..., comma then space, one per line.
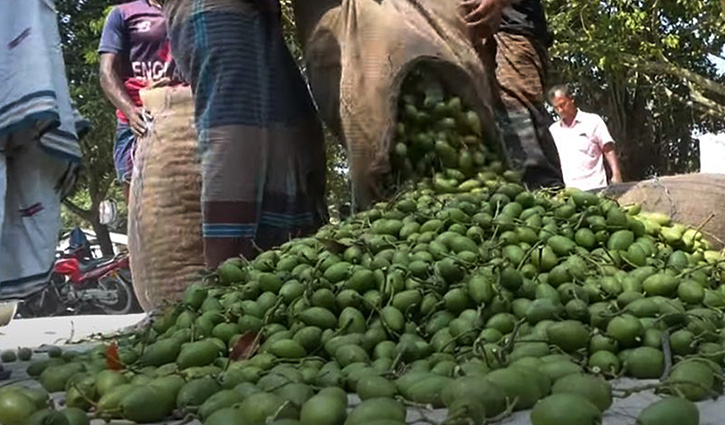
x=518, y=65
x=261, y=143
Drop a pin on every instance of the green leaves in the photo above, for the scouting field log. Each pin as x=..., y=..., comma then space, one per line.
x=80, y=25
x=646, y=67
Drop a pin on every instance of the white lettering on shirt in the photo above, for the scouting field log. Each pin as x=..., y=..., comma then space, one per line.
x=143, y=26
x=149, y=70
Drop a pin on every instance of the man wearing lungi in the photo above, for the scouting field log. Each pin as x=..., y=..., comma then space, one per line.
x=512, y=38
x=263, y=157
x=39, y=149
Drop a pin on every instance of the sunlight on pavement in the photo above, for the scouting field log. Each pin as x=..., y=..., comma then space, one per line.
x=61, y=330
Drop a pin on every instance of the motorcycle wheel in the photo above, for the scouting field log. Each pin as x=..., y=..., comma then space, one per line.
x=45, y=303
x=124, y=302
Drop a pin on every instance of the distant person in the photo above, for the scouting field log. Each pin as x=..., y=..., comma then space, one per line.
x=135, y=54
x=584, y=142
x=511, y=37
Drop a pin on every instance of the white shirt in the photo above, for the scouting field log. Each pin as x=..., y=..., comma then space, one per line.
x=581, y=147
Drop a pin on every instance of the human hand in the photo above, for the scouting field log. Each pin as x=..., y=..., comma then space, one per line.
x=483, y=16
x=136, y=122
x=166, y=81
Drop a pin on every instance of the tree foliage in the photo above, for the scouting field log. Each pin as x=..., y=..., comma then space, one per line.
x=646, y=66
x=80, y=26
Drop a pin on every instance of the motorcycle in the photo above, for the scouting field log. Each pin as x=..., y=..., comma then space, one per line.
x=79, y=285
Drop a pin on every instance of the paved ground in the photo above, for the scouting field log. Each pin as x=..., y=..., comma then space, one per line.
x=64, y=330
x=61, y=330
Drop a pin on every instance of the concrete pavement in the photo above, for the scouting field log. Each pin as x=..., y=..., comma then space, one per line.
x=61, y=330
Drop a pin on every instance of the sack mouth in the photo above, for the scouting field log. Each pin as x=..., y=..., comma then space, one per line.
x=454, y=80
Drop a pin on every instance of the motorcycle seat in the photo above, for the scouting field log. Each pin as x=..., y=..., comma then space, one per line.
x=92, y=264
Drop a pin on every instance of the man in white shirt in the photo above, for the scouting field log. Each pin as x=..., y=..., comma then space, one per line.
x=583, y=142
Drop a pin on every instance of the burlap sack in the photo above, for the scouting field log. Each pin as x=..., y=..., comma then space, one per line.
x=357, y=54
x=691, y=199
x=164, y=213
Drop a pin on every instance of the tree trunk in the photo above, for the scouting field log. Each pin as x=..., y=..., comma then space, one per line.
x=103, y=237
x=626, y=108
x=101, y=230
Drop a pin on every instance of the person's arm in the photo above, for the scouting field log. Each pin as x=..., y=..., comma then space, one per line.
x=606, y=145
x=484, y=16
x=116, y=92
x=611, y=156
x=112, y=46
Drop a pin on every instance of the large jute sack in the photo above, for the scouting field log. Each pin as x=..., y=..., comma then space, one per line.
x=691, y=199
x=357, y=54
x=164, y=215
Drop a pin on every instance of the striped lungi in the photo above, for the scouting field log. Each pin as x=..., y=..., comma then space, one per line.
x=263, y=159
x=39, y=144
